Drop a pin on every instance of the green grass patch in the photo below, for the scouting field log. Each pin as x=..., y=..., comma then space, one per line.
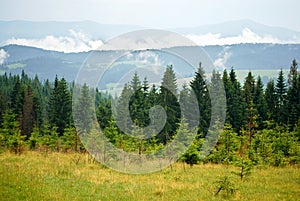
x=55, y=176
x=267, y=74
x=16, y=65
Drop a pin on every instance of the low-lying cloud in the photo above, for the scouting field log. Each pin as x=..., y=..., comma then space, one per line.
x=146, y=58
x=222, y=59
x=247, y=36
x=80, y=42
x=3, y=56
x=75, y=42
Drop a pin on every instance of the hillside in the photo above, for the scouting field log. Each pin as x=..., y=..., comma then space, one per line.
x=46, y=64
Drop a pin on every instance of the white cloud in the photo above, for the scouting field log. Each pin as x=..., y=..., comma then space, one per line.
x=147, y=57
x=222, y=59
x=76, y=42
x=247, y=36
x=3, y=56
x=146, y=39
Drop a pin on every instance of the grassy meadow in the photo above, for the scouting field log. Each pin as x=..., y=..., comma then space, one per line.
x=66, y=176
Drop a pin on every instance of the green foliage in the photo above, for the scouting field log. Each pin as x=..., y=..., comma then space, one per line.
x=265, y=124
x=277, y=147
x=271, y=100
x=17, y=97
x=34, y=138
x=111, y=131
x=200, y=89
x=103, y=110
x=234, y=100
x=260, y=103
x=227, y=147
x=121, y=105
x=265, y=131
x=168, y=100
x=218, y=102
x=251, y=123
x=49, y=138
x=263, y=147
x=83, y=115
x=10, y=134
x=191, y=156
x=15, y=142
x=95, y=144
x=33, y=176
x=139, y=105
x=60, y=106
x=28, y=115
x=185, y=140
x=225, y=185
x=293, y=96
x=249, y=88
x=281, y=92
x=70, y=140
x=245, y=168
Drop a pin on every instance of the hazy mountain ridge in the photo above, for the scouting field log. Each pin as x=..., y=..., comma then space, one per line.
x=46, y=64
x=88, y=35
x=33, y=30
x=232, y=28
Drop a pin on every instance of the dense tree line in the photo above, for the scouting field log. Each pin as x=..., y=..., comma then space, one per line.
x=262, y=122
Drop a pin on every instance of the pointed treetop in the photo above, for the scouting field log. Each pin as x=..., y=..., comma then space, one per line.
x=135, y=82
x=169, y=80
x=293, y=72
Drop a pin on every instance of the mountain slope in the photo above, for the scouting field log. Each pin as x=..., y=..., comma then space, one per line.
x=234, y=28
x=37, y=30
x=52, y=34
x=47, y=63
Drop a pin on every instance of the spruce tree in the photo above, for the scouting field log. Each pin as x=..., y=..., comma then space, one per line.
x=200, y=89
x=168, y=100
x=228, y=88
x=145, y=103
x=17, y=97
x=293, y=95
x=293, y=72
x=10, y=133
x=3, y=104
x=83, y=110
x=153, y=96
x=248, y=88
x=260, y=102
x=120, y=109
x=251, y=124
x=219, y=100
x=39, y=103
x=235, y=103
x=271, y=100
x=190, y=109
x=70, y=139
x=281, y=91
x=60, y=106
x=103, y=112
x=54, y=103
x=227, y=146
x=28, y=122
x=138, y=105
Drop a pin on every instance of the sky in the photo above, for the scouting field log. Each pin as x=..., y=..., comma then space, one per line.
x=155, y=13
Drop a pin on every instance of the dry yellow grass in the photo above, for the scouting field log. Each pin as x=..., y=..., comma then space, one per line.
x=56, y=176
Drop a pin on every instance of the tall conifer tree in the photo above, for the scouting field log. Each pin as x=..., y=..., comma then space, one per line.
x=200, y=89
x=168, y=100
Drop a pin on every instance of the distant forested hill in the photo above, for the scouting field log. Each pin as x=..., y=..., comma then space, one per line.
x=46, y=64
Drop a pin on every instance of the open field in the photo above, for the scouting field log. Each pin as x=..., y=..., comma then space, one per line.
x=266, y=75
x=58, y=176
